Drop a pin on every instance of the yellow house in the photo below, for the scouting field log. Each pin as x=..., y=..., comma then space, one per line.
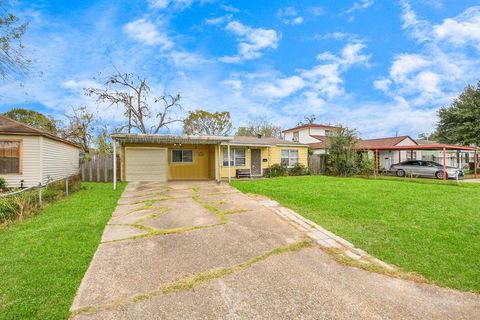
x=172, y=157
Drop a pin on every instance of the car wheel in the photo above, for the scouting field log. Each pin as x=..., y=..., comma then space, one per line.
x=400, y=173
x=439, y=175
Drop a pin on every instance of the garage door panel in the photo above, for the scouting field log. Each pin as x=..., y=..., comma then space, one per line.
x=142, y=164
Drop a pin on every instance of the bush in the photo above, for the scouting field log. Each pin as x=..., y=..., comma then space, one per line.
x=275, y=170
x=3, y=184
x=27, y=203
x=19, y=206
x=297, y=170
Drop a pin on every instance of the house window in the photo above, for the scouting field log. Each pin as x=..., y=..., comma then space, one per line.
x=9, y=157
x=181, y=156
x=328, y=133
x=411, y=155
x=296, y=136
x=289, y=157
x=237, y=157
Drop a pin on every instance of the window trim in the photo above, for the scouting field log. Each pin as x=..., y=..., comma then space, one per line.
x=182, y=160
x=290, y=165
x=233, y=162
x=20, y=155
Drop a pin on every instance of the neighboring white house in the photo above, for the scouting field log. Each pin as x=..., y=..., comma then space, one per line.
x=316, y=135
x=29, y=156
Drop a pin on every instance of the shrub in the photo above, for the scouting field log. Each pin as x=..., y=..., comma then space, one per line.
x=27, y=203
x=3, y=184
x=297, y=170
x=19, y=206
x=275, y=170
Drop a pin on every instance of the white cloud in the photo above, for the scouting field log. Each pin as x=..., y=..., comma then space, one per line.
x=443, y=65
x=176, y=4
x=281, y=88
x=252, y=41
x=461, y=30
x=360, y=6
x=146, y=32
x=229, y=8
x=218, y=20
x=289, y=15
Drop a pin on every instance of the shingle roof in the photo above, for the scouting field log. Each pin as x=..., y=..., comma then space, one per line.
x=13, y=127
x=242, y=140
x=312, y=125
x=362, y=144
x=382, y=142
x=322, y=144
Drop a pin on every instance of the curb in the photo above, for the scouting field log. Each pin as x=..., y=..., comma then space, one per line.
x=322, y=236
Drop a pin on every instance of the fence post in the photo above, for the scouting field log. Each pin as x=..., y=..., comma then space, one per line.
x=66, y=186
x=40, y=193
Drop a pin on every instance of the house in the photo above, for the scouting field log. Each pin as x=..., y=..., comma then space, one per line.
x=156, y=157
x=29, y=156
x=388, y=150
x=316, y=135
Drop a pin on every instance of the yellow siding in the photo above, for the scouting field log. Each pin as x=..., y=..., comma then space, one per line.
x=201, y=167
x=272, y=154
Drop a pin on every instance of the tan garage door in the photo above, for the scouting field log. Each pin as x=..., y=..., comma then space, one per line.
x=146, y=164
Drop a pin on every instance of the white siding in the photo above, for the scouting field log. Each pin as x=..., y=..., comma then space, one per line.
x=406, y=142
x=304, y=135
x=59, y=160
x=31, y=172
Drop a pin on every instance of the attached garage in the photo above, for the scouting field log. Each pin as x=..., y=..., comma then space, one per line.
x=146, y=164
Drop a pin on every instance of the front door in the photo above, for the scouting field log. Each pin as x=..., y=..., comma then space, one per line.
x=256, y=162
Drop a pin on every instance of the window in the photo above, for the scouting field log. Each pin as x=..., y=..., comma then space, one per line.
x=9, y=157
x=289, y=158
x=180, y=156
x=237, y=157
x=328, y=133
x=296, y=136
x=412, y=155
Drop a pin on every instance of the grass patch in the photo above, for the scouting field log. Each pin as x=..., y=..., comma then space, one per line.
x=423, y=226
x=43, y=259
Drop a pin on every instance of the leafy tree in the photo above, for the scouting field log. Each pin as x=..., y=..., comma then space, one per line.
x=203, y=122
x=132, y=93
x=103, y=141
x=34, y=119
x=260, y=126
x=343, y=155
x=460, y=122
x=12, y=59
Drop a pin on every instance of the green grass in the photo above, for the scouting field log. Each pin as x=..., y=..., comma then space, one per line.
x=43, y=259
x=429, y=228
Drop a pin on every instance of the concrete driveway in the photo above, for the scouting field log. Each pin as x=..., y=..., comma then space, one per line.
x=207, y=251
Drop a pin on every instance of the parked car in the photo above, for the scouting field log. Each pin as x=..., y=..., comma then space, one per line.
x=423, y=168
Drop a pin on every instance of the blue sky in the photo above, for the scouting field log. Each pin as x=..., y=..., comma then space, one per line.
x=381, y=67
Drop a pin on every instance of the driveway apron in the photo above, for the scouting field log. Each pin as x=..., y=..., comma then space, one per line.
x=199, y=250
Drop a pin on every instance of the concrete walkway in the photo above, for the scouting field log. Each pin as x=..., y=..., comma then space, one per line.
x=204, y=251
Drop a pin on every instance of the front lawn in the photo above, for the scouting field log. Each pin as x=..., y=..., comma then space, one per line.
x=429, y=228
x=43, y=259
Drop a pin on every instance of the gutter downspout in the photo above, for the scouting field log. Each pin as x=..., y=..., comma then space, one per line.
x=229, y=164
x=114, y=164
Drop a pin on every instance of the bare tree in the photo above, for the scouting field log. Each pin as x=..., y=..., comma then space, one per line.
x=131, y=92
x=307, y=120
x=80, y=128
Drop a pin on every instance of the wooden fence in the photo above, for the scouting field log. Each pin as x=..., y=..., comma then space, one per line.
x=317, y=163
x=99, y=168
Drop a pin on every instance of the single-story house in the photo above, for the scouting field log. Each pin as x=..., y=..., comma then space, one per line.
x=146, y=157
x=29, y=156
